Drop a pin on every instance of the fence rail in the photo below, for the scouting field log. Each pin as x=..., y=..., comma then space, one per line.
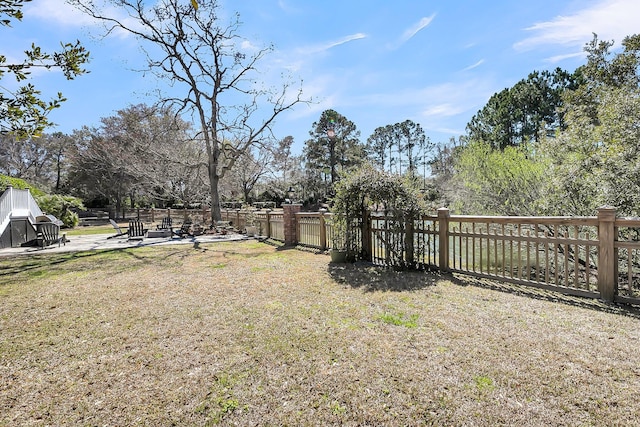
x=597, y=257
x=545, y=252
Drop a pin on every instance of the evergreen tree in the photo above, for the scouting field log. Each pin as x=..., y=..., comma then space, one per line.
x=333, y=148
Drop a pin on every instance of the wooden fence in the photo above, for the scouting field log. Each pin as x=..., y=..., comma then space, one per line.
x=596, y=257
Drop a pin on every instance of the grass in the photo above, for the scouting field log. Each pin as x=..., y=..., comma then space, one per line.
x=94, y=229
x=251, y=334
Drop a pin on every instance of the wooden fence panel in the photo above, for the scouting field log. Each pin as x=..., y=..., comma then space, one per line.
x=598, y=257
x=627, y=253
x=276, y=224
x=546, y=252
x=308, y=229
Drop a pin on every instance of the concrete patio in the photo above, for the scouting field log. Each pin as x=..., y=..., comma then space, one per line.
x=91, y=242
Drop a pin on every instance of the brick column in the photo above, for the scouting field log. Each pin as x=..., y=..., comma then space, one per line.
x=290, y=225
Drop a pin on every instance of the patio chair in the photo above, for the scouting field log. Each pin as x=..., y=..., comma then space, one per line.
x=49, y=234
x=167, y=223
x=119, y=230
x=136, y=230
x=185, y=229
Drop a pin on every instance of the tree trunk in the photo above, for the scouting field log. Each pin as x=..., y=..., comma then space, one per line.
x=58, y=173
x=216, y=214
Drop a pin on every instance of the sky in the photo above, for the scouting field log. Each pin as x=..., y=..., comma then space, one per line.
x=376, y=62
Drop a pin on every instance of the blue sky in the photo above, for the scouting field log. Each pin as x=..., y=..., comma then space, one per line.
x=376, y=62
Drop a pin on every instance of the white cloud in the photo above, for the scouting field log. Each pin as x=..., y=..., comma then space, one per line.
x=410, y=32
x=59, y=12
x=246, y=45
x=442, y=110
x=415, y=29
x=286, y=7
x=471, y=67
x=609, y=19
x=432, y=102
x=326, y=46
x=559, y=58
x=444, y=106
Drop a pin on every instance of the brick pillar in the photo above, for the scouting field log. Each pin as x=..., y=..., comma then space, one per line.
x=290, y=225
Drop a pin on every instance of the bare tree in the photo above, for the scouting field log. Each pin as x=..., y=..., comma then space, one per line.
x=192, y=49
x=140, y=153
x=29, y=159
x=252, y=167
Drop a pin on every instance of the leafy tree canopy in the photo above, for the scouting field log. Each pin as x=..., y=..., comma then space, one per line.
x=521, y=113
x=22, y=111
x=334, y=145
x=499, y=182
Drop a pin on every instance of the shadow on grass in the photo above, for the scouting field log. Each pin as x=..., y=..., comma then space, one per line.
x=547, y=295
x=107, y=259
x=372, y=278
x=56, y=261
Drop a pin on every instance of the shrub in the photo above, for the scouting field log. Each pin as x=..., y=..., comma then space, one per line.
x=370, y=189
x=62, y=207
x=19, y=184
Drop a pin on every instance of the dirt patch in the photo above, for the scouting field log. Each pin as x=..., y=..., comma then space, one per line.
x=249, y=334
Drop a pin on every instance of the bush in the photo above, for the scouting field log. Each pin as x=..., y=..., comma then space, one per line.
x=18, y=184
x=62, y=207
x=367, y=188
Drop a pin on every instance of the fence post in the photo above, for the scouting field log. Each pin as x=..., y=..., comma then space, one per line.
x=367, y=243
x=10, y=190
x=408, y=242
x=268, y=227
x=323, y=230
x=607, y=280
x=290, y=224
x=443, y=239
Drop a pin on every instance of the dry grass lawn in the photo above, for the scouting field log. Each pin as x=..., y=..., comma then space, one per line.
x=250, y=334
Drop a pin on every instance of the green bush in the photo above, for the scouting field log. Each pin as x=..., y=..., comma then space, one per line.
x=19, y=184
x=62, y=207
x=367, y=188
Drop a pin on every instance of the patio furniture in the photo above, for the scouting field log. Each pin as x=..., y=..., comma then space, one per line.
x=119, y=230
x=136, y=230
x=167, y=223
x=185, y=230
x=49, y=234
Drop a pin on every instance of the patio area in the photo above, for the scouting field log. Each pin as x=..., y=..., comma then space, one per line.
x=92, y=242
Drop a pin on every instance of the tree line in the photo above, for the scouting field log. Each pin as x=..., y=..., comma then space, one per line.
x=555, y=143
x=146, y=156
